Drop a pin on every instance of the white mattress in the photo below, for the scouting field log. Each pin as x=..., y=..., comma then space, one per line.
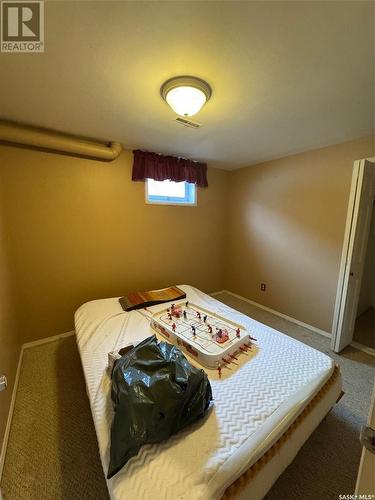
x=254, y=403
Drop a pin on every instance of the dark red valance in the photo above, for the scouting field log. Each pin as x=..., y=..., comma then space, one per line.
x=161, y=168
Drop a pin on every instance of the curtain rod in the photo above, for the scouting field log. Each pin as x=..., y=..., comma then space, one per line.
x=170, y=155
x=25, y=135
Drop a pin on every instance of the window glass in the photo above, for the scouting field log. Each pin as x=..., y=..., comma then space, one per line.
x=169, y=192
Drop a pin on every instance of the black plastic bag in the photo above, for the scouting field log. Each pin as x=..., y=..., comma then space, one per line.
x=156, y=392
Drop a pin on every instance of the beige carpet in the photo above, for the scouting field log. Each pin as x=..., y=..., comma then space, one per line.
x=52, y=451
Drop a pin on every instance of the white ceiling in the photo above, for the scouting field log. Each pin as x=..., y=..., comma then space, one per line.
x=286, y=76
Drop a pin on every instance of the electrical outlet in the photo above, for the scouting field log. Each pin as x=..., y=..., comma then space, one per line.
x=263, y=287
x=3, y=383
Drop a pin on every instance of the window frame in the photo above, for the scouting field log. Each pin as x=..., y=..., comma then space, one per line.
x=190, y=189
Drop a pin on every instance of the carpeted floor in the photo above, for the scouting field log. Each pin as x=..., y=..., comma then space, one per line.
x=52, y=451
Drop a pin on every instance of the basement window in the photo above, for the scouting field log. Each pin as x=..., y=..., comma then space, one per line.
x=170, y=193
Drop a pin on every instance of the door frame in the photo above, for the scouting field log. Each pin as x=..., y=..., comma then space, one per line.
x=347, y=250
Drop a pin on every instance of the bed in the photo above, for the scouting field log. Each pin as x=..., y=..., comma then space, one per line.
x=265, y=408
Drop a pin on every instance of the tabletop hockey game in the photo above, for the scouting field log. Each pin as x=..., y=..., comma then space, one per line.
x=213, y=340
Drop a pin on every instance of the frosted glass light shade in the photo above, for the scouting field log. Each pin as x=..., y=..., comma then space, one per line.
x=185, y=94
x=186, y=101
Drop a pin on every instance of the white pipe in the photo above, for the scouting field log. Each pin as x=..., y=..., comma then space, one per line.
x=55, y=141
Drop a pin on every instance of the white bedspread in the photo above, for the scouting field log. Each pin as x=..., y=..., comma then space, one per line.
x=254, y=403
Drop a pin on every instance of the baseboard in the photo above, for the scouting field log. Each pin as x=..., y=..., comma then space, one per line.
x=363, y=348
x=10, y=414
x=213, y=294
x=35, y=343
x=277, y=313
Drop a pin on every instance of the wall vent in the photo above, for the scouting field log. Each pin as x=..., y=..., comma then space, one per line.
x=187, y=123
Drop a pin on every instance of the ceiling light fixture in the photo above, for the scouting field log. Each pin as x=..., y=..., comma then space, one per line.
x=185, y=94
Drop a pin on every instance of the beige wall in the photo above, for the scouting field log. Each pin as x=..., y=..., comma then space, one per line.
x=9, y=345
x=73, y=230
x=80, y=230
x=286, y=229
